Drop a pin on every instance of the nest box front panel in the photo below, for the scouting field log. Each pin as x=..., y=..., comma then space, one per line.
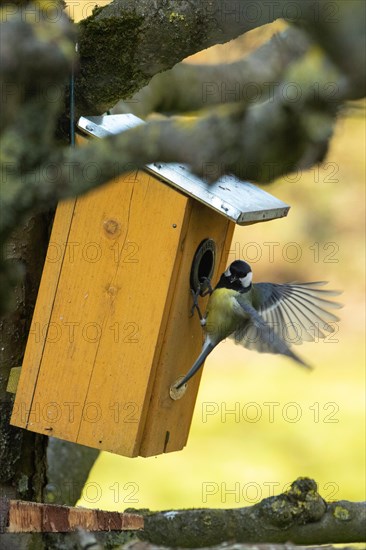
x=96, y=350
x=168, y=421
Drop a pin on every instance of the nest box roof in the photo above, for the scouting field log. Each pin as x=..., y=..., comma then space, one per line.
x=240, y=201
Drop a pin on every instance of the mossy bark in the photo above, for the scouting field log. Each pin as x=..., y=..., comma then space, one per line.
x=22, y=453
x=123, y=45
x=299, y=515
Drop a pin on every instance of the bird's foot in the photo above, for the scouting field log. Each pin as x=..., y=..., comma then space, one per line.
x=205, y=286
x=195, y=294
x=203, y=290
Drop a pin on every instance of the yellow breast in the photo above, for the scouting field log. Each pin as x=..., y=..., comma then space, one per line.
x=222, y=316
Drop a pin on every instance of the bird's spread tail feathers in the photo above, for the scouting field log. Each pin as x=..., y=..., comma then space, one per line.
x=206, y=350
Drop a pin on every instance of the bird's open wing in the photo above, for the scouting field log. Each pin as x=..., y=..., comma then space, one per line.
x=257, y=334
x=297, y=312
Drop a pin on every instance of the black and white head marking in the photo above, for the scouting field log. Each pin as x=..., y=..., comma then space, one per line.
x=238, y=276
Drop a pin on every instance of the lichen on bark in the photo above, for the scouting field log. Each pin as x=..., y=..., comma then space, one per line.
x=107, y=48
x=299, y=515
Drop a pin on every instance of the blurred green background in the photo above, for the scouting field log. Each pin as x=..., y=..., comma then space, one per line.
x=285, y=422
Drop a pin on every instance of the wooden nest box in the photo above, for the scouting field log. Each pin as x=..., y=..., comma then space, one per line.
x=112, y=330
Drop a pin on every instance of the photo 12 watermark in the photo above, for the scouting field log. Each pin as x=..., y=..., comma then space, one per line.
x=124, y=332
x=76, y=412
x=255, y=13
x=251, y=492
x=290, y=252
x=225, y=91
x=93, y=492
x=327, y=172
x=252, y=412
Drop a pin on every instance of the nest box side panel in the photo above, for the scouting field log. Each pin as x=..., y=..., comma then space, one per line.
x=40, y=328
x=168, y=422
x=94, y=380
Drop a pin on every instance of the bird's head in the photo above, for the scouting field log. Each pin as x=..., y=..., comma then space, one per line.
x=238, y=276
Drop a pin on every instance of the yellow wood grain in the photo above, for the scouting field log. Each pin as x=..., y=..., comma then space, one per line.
x=42, y=314
x=168, y=423
x=94, y=382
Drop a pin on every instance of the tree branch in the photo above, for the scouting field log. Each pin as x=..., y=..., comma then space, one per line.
x=339, y=28
x=299, y=515
x=84, y=541
x=292, y=135
x=129, y=41
x=189, y=87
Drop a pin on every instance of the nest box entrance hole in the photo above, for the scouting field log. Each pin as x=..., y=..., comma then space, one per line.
x=203, y=264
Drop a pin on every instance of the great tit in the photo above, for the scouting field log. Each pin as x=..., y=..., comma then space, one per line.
x=264, y=316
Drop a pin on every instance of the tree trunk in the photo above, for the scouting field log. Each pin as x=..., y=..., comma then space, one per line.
x=28, y=469
x=22, y=453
